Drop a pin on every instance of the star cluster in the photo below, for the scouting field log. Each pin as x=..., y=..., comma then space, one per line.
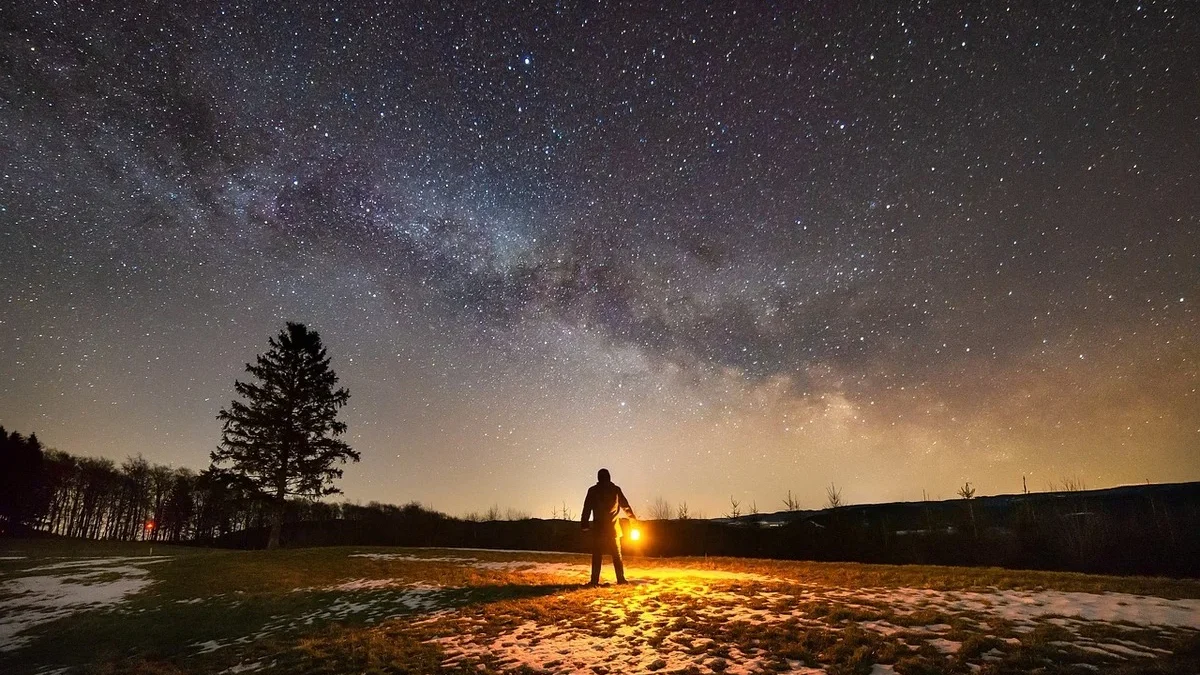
x=721, y=249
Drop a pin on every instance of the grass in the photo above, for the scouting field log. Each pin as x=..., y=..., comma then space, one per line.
x=431, y=611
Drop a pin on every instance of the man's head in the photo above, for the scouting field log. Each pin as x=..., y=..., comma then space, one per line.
x=603, y=477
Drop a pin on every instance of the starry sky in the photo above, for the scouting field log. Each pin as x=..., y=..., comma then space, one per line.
x=723, y=249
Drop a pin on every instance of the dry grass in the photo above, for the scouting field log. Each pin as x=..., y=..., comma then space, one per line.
x=374, y=610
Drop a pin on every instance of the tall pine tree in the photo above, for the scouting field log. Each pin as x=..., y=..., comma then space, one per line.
x=282, y=441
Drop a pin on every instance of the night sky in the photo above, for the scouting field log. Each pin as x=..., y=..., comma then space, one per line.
x=721, y=249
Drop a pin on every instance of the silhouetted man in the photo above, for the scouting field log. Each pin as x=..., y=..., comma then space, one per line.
x=606, y=500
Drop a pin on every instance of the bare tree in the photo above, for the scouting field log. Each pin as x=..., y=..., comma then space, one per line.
x=735, y=509
x=682, y=513
x=660, y=509
x=515, y=514
x=833, y=496
x=791, y=503
x=1073, y=484
x=754, y=508
x=567, y=514
x=966, y=491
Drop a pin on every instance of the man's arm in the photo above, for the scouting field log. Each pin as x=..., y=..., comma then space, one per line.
x=587, y=510
x=624, y=503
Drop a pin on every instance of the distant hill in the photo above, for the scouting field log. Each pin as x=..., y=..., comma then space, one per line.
x=1169, y=495
x=1136, y=529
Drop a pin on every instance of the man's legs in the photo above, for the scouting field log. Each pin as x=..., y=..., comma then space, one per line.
x=618, y=563
x=597, y=558
x=612, y=546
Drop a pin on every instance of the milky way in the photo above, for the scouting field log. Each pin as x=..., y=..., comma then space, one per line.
x=724, y=250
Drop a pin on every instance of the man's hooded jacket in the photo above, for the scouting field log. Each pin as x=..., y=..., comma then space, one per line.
x=607, y=501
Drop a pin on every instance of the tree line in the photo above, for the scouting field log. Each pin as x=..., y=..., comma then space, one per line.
x=96, y=498
x=47, y=490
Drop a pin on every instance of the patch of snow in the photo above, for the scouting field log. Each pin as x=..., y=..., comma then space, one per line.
x=1109, y=607
x=992, y=654
x=559, y=648
x=1028, y=606
x=364, y=585
x=366, y=602
x=882, y=627
x=93, y=562
x=209, y=646
x=527, y=567
x=797, y=668
x=27, y=601
x=1134, y=645
x=1107, y=649
x=243, y=668
x=945, y=646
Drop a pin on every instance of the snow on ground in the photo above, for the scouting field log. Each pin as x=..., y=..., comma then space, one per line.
x=364, y=585
x=246, y=667
x=618, y=634
x=377, y=584
x=1027, y=607
x=366, y=600
x=567, y=570
x=91, y=583
x=661, y=622
x=550, y=648
x=370, y=606
x=92, y=562
x=1021, y=607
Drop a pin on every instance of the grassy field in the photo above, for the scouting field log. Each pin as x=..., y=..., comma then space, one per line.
x=125, y=608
